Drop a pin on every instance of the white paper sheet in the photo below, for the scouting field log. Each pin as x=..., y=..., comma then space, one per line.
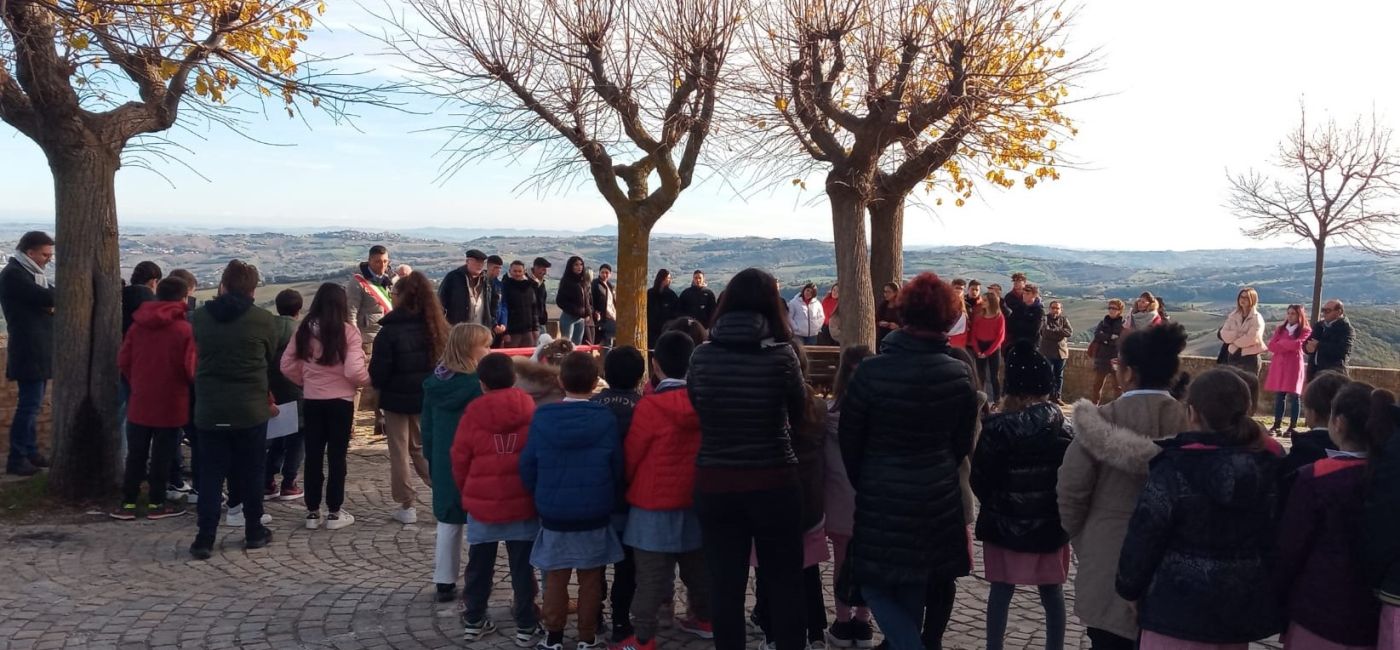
x=286, y=422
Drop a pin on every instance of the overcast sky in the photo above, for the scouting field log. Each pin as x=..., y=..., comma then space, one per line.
x=1192, y=88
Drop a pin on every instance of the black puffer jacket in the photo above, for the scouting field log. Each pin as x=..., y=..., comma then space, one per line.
x=1198, y=555
x=573, y=297
x=402, y=359
x=520, y=297
x=906, y=424
x=1025, y=320
x=1014, y=475
x=748, y=391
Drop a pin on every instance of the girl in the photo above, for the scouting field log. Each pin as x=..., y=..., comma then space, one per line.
x=410, y=342
x=829, y=303
x=1286, y=376
x=852, y=628
x=1197, y=556
x=1381, y=544
x=1330, y=604
x=958, y=333
x=574, y=301
x=887, y=312
x=805, y=314
x=1243, y=332
x=446, y=393
x=988, y=332
x=1014, y=472
x=662, y=305
x=326, y=359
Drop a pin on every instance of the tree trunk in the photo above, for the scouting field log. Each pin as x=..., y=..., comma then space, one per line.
x=886, y=242
x=852, y=267
x=87, y=327
x=1321, y=248
x=633, y=248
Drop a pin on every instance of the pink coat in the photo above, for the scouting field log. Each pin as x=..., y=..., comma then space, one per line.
x=328, y=382
x=1286, y=368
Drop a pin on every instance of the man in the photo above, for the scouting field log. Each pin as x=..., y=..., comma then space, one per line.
x=1054, y=345
x=237, y=348
x=538, y=271
x=368, y=293
x=27, y=301
x=605, y=306
x=1027, y=314
x=144, y=279
x=698, y=301
x=520, y=300
x=1329, y=345
x=974, y=295
x=494, y=263
x=467, y=294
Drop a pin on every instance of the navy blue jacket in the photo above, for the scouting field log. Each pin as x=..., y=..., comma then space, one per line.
x=572, y=463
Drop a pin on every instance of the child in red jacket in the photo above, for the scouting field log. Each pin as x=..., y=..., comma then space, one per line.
x=157, y=359
x=486, y=466
x=662, y=527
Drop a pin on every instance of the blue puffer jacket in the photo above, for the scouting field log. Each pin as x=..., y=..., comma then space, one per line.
x=572, y=463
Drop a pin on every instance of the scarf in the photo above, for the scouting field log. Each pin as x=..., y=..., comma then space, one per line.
x=1292, y=329
x=34, y=268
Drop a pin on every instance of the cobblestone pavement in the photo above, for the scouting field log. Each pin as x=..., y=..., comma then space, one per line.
x=108, y=584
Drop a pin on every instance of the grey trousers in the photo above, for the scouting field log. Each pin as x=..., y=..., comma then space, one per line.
x=656, y=577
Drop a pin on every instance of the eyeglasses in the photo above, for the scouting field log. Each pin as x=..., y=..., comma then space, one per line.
x=1115, y=309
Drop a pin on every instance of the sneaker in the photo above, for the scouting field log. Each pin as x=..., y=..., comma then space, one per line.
x=338, y=520
x=234, y=518
x=544, y=644
x=473, y=631
x=446, y=592
x=270, y=491
x=290, y=492
x=863, y=633
x=594, y=645
x=313, y=520
x=259, y=539
x=631, y=643
x=166, y=510
x=840, y=635
x=202, y=548
x=1275, y=430
x=816, y=644
x=406, y=515
x=181, y=487
x=702, y=629
x=192, y=497
x=525, y=637
x=124, y=512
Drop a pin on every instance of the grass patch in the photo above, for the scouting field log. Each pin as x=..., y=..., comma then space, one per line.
x=19, y=498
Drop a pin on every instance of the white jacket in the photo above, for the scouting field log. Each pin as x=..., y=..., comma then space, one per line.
x=805, y=317
x=1244, y=333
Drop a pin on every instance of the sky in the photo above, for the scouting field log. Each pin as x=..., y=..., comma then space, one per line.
x=1187, y=90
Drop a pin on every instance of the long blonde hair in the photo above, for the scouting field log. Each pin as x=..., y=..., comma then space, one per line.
x=461, y=340
x=1251, y=296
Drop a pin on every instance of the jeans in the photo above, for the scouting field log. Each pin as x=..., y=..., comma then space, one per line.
x=768, y=522
x=607, y=333
x=1052, y=598
x=572, y=328
x=898, y=610
x=1105, y=640
x=236, y=455
x=1057, y=368
x=481, y=572
x=327, y=432
x=1292, y=400
x=147, y=446
x=24, y=436
x=989, y=371
x=284, y=458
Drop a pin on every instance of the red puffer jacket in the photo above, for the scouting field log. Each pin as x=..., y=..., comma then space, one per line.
x=660, y=450
x=486, y=456
x=157, y=358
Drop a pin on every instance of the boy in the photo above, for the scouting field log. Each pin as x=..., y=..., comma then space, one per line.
x=622, y=368
x=284, y=454
x=157, y=359
x=662, y=528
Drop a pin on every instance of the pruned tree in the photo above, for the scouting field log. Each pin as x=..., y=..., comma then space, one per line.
x=1334, y=184
x=884, y=93
x=625, y=90
x=87, y=80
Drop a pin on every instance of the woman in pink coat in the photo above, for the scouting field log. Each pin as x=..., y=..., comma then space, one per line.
x=1286, y=370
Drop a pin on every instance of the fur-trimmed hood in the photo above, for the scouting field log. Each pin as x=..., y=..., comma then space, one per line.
x=540, y=380
x=1118, y=446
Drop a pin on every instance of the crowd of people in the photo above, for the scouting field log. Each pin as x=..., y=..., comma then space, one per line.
x=715, y=455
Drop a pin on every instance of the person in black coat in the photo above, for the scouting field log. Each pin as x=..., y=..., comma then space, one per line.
x=1103, y=349
x=518, y=295
x=1329, y=346
x=698, y=301
x=575, y=302
x=662, y=306
x=142, y=289
x=604, y=302
x=1311, y=446
x=1380, y=547
x=467, y=294
x=748, y=391
x=906, y=424
x=538, y=271
x=27, y=300
x=1027, y=315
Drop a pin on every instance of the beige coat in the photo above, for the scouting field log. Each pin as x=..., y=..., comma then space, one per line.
x=1244, y=333
x=1104, y=470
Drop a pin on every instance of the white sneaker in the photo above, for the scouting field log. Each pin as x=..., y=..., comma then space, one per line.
x=314, y=520
x=338, y=520
x=235, y=517
x=584, y=645
x=406, y=515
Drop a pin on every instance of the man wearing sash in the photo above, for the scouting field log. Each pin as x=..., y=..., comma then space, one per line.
x=368, y=293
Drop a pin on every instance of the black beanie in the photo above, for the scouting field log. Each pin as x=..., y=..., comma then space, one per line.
x=1028, y=373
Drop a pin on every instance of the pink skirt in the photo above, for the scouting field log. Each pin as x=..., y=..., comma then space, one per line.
x=1390, y=628
x=1017, y=568
x=814, y=548
x=1155, y=641
x=1300, y=638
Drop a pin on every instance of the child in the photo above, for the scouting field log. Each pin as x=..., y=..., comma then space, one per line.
x=1014, y=475
x=1312, y=445
x=662, y=528
x=157, y=358
x=446, y=393
x=623, y=368
x=852, y=628
x=572, y=464
x=1330, y=604
x=486, y=464
x=1381, y=528
x=284, y=453
x=1196, y=559
x=327, y=360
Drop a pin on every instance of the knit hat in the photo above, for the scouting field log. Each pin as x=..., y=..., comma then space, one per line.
x=1028, y=373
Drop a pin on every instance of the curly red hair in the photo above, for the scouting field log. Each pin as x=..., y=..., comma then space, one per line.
x=928, y=303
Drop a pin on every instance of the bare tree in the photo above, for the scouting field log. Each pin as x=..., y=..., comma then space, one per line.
x=884, y=93
x=624, y=89
x=1334, y=184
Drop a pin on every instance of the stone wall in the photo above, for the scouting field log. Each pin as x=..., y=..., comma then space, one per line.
x=9, y=396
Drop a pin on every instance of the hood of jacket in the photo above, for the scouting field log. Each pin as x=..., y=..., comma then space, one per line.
x=507, y=409
x=451, y=391
x=1119, y=447
x=1229, y=474
x=577, y=425
x=1025, y=428
x=229, y=307
x=518, y=285
x=741, y=328
x=158, y=315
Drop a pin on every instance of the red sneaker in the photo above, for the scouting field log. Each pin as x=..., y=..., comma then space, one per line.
x=270, y=490
x=702, y=629
x=290, y=492
x=631, y=643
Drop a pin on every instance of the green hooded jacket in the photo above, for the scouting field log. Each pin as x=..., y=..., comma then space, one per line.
x=445, y=396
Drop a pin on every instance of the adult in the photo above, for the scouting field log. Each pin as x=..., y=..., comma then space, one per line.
x=26, y=298
x=988, y=332
x=539, y=270
x=405, y=352
x=494, y=267
x=1243, y=332
x=518, y=298
x=887, y=312
x=574, y=299
x=662, y=305
x=906, y=425
x=467, y=294
x=805, y=314
x=829, y=303
x=1103, y=349
x=1027, y=314
x=142, y=288
x=1285, y=377
x=604, y=301
x=1146, y=313
x=368, y=294
x=1105, y=468
x=1054, y=346
x=698, y=301
x=748, y=392
x=1329, y=346
x=236, y=344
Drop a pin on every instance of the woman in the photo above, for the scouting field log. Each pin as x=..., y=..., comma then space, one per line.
x=829, y=303
x=887, y=313
x=410, y=342
x=1105, y=468
x=748, y=392
x=1286, y=376
x=574, y=301
x=1103, y=349
x=1146, y=313
x=958, y=333
x=806, y=314
x=1243, y=332
x=988, y=333
x=906, y=425
x=662, y=306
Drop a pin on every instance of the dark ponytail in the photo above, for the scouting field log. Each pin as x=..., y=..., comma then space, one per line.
x=1366, y=411
x=1221, y=400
